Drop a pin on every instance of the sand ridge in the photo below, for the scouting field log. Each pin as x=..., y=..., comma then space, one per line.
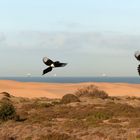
x=57, y=90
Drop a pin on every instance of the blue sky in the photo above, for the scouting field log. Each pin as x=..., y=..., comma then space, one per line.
x=95, y=37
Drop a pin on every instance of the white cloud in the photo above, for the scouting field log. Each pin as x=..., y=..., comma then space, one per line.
x=69, y=41
x=93, y=52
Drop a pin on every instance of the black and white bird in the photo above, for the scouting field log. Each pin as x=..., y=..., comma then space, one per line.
x=51, y=65
x=137, y=55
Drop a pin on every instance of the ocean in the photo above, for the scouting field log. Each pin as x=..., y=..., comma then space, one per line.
x=133, y=80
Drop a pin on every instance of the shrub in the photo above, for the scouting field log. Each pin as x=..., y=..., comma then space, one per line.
x=91, y=91
x=7, y=110
x=6, y=94
x=69, y=98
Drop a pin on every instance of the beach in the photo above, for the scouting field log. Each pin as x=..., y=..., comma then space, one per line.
x=57, y=90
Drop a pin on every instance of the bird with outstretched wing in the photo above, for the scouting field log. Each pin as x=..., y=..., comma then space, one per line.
x=51, y=65
x=137, y=55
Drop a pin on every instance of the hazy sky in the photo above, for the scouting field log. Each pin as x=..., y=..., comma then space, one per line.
x=95, y=37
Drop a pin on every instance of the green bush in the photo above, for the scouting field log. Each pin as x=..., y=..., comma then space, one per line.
x=69, y=98
x=91, y=91
x=7, y=110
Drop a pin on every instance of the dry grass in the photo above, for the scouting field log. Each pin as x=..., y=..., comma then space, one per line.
x=91, y=91
x=57, y=136
x=123, y=110
x=54, y=119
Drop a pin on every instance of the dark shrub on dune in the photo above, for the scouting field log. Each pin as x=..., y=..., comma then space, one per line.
x=91, y=91
x=6, y=99
x=6, y=94
x=7, y=110
x=69, y=98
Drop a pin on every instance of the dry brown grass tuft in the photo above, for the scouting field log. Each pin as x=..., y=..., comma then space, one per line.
x=91, y=91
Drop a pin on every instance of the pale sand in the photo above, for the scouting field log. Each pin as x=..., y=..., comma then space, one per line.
x=57, y=90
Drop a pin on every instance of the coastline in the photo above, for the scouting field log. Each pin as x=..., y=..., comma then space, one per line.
x=57, y=90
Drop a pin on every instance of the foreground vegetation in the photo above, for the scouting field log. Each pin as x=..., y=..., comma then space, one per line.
x=89, y=114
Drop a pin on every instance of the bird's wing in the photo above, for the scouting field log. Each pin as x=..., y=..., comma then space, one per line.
x=58, y=64
x=137, y=55
x=47, y=61
x=138, y=69
x=47, y=70
x=63, y=64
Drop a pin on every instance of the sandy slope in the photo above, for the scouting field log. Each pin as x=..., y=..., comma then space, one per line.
x=56, y=90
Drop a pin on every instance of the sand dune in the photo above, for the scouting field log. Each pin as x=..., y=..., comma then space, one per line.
x=57, y=90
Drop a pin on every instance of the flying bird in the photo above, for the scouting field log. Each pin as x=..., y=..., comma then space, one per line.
x=51, y=65
x=137, y=55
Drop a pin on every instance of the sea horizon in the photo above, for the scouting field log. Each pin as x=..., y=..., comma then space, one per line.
x=132, y=80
